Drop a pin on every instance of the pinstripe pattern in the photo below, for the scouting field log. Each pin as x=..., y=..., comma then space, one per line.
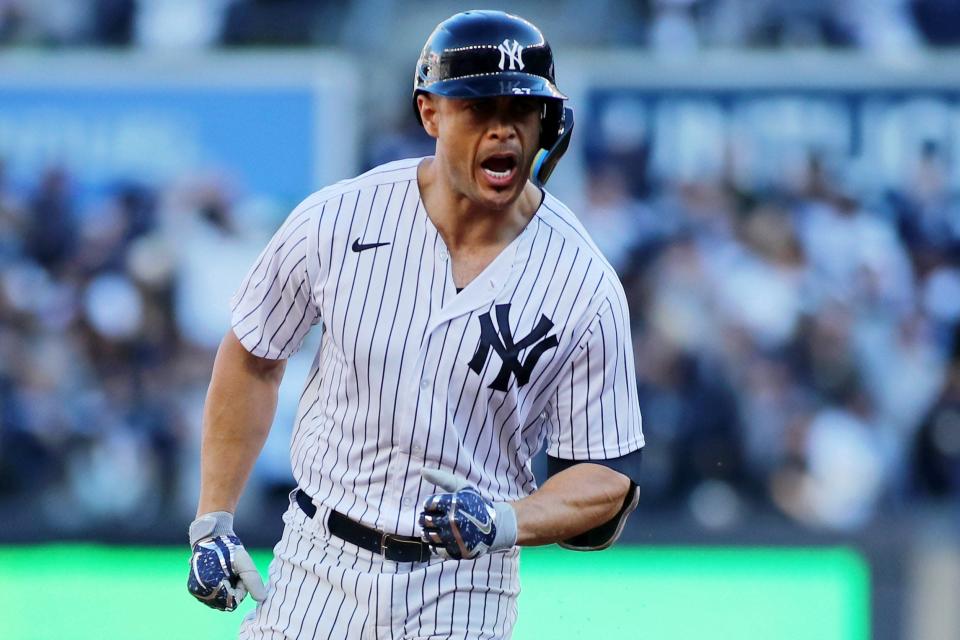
x=391, y=393
x=322, y=587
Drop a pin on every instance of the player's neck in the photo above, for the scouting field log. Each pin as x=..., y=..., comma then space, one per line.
x=465, y=223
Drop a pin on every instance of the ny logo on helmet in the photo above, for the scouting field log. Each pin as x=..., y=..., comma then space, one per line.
x=512, y=52
x=537, y=341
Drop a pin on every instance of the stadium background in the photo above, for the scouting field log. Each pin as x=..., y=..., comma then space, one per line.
x=776, y=183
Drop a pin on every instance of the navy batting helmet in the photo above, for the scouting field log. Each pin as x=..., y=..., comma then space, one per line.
x=483, y=54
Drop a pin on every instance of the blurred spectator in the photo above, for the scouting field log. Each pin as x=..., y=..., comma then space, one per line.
x=936, y=448
x=928, y=209
x=729, y=23
x=885, y=27
x=903, y=367
x=280, y=22
x=52, y=22
x=619, y=224
x=51, y=231
x=11, y=20
x=938, y=20
x=210, y=257
x=691, y=412
x=673, y=29
x=802, y=24
x=406, y=139
x=113, y=22
x=775, y=406
x=12, y=220
x=855, y=254
x=621, y=143
x=179, y=24
x=761, y=282
x=843, y=468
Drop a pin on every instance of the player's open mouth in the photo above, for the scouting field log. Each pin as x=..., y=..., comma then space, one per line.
x=500, y=169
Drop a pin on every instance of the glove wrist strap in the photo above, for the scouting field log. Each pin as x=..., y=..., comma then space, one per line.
x=506, y=535
x=215, y=523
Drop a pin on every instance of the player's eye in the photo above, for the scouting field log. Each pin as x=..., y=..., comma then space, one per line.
x=523, y=106
x=480, y=107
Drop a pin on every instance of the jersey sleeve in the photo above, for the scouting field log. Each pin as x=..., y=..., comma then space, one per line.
x=595, y=414
x=274, y=307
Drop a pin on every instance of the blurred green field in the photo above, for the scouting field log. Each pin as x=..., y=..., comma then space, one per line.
x=80, y=592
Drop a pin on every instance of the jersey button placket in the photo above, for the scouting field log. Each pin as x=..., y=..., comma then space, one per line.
x=411, y=394
x=417, y=395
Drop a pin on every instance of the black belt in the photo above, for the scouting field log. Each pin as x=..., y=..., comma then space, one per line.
x=390, y=546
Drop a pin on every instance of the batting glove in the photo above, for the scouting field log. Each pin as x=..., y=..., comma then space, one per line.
x=461, y=524
x=221, y=570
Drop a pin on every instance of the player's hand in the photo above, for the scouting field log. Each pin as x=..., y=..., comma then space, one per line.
x=221, y=570
x=460, y=523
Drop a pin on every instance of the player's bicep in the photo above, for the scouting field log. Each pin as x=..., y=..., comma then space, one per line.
x=236, y=357
x=274, y=307
x=594, y=414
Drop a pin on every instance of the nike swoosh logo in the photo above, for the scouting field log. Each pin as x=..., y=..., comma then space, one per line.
x=484, y=527
x=357, y=247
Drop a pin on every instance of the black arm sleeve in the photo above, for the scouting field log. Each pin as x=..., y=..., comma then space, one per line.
x=607, y=533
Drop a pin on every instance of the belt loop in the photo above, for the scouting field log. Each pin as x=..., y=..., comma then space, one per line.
x=321, y=520
x=316, y=514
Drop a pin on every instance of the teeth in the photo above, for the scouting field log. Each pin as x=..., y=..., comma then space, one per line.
x=498, y=174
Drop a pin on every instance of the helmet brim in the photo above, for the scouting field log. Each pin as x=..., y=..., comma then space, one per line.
x=505, y=83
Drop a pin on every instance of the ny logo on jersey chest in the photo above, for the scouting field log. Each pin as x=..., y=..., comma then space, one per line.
x=508, y=350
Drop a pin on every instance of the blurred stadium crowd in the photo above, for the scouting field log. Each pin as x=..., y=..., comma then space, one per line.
x=106, y=342
x=667, y=25
x=794, y=339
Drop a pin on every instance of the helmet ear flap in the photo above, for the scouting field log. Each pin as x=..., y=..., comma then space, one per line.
x=551, y=123
x=555, y=130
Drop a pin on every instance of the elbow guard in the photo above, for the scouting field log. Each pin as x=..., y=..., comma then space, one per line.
x=606, y=534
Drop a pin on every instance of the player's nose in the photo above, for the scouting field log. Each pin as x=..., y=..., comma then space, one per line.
x=502, y=130
x=504, y=120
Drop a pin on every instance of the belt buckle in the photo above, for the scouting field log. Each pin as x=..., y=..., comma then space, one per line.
x=386, y=538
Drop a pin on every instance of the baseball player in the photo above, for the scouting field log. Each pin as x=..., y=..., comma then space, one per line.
x=468, y=321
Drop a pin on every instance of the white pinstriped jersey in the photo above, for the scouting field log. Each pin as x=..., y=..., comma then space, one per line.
x=412, y=374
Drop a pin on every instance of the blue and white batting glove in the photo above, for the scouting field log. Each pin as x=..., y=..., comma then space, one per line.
x=221, y=570
x=461, y=524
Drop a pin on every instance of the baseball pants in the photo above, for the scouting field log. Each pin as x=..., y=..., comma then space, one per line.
x=323, y=587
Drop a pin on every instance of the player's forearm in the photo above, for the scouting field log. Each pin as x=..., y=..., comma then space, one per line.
x=571, y=502
x=239, y=409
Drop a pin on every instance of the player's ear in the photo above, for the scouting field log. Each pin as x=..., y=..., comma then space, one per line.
x=428, y=105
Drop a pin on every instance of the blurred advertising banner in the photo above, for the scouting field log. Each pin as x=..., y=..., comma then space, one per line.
x=759, y=119
x=279, y=125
